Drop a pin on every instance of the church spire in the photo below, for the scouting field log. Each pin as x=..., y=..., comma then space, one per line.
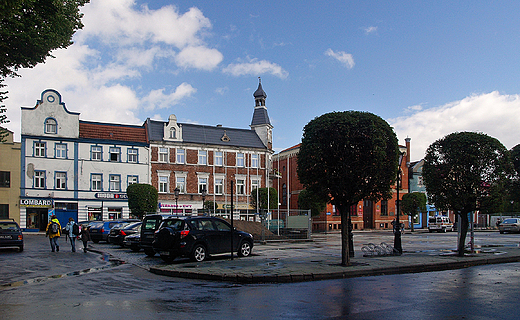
x=260, y=122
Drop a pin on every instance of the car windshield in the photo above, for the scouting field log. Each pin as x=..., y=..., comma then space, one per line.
x=510, y=221
x=132, y=225
x=9, y=226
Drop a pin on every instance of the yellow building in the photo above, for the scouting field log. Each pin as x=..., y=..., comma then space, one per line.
x=10, y=178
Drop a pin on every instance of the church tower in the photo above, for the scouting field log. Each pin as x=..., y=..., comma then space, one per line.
x=260, y=122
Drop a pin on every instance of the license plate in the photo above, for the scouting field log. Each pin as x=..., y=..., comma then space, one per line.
x=164, y=253
x=5, y=237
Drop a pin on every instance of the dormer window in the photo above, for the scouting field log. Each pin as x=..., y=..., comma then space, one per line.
x=51, y=126
x=173, y=133
x=172, y=130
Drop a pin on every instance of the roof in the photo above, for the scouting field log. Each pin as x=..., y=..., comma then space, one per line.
x=260, y=117
x=209, y=135
x=107, y=131
x=260, y=93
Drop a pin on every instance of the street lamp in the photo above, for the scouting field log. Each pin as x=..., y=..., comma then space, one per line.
x=398, y=248
x=204, y=194
x=176, y=193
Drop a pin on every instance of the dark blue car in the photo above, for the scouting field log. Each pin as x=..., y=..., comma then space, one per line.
x=99, y=230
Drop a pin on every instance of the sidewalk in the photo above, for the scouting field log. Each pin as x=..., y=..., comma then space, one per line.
x=295, y=262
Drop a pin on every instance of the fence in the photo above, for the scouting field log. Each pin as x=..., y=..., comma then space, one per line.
x=292, y=224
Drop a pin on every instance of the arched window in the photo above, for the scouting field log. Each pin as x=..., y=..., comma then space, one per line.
x=51, y=126
x=173, y=133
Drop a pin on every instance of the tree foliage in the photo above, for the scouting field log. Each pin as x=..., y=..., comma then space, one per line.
x=262, y=198
x=31, y=29
x=413, y=204
x=142, y=199
x=309, y=201
x=465, y=172
x=346, y=157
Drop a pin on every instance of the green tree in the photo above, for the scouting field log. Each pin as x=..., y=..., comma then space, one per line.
x=142, y=199
x=262, y=198
x=309, y=201
x=413, y=204
x=31, y=29
x=346, y=157
x=209, y=206
x=463, y=172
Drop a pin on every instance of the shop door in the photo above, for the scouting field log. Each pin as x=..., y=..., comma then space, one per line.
x=368, y=214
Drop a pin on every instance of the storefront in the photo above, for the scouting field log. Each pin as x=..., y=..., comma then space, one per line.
x=181, y=209
x=34, y=213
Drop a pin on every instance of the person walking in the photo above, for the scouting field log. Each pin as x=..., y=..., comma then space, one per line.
x=85, y=237
x=72, y=233
x=53, y=231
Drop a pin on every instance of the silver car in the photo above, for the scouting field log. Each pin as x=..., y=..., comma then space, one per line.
x=509, y=225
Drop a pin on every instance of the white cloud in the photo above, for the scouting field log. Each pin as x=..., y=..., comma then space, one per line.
x=371, y=29
x=495, y=114
x=199, y=58
x=256, y=67
x=158, y=99
x=345, y=58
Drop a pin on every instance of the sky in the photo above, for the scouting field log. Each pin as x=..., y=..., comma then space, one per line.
x=429, y=68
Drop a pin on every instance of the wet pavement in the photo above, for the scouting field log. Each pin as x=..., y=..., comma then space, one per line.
x=320, y=259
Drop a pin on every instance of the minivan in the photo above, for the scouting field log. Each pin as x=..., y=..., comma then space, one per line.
x=440, y=224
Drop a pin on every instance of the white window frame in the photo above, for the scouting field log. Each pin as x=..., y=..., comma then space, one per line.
x=203, y=157
x=61, y=150
x=39, y=179
x=96, y=153
x=60, y=180
x=115, y=182
x=51, y=126
x=219, y=158
x=255, y=184
x=181, y=156
x=96, y=182
x=219, y=185
x=255, y=160
x=133, y=155
x=203, y=184
x=240, y=159
x=180, y=182
x=163, y=182
x=163, y=154
x=132, y=180
x=241, y=186
x=39, y=149
x=115, y=151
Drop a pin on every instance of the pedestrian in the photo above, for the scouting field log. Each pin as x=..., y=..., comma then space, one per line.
x=70, y=231
x=85, y=237
x=53, y=231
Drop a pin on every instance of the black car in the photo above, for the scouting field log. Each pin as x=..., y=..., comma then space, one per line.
x=133, y=241
x=199, y=237
x=99, y=230
x=11, y=234
x=118, y=232
x=150, y=224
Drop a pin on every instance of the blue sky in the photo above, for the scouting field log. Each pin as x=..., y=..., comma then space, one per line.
x=428, y=68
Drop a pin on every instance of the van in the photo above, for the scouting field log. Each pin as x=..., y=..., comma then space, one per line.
x=440, y=224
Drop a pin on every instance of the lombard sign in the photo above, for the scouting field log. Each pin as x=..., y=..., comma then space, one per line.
x=36, y=203
x=111, y=195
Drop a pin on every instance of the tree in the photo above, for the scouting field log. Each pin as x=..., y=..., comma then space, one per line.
x=413, y=204
x=463, y=172
x=309, y=201
x=346, y=157
x=31, y=29
x=262, y=198
x=209, y=206
x=142, y=199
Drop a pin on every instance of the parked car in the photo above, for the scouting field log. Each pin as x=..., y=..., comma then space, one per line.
x=198, y=237
x=150, y=224
x=440, y=224
x=118, y=232
x=133, y=241
x=11, y=234
x=509, y=225
x=99, y=230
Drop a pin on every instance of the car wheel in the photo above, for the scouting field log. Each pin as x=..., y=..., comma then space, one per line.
x=167, y=259
x=501, y=232
x=430, y=230
x=20, y=248
x=444, y=230
x=149, y=252
x=199, y=253
x=245, y=249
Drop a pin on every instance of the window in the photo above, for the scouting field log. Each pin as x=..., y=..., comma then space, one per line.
x=4, y=211
x=61, y=150
x=219, y=158
x=163, y=184
x=254, y=161
x=240, y=159
x=420, y=181
x=181, y=184
x=384, y=207
x=133, y=180
x=163, y=154
x=203, y=157
x=51, y=126
x=96, y=153
x=240, y=187
x=255, y=184
x=5, y=179
x=203, y=184
x=180, y=155
x=219, y=186
x=39, y=179
x=115, y=154
x=115, y=182
x=96, y=182
x=39, y=149
x=132, y=155
x=173, y=133
x=284, y=193
x=61, y=180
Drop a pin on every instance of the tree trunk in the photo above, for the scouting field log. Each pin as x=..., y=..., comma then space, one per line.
x=345, y=257
x=464, y=223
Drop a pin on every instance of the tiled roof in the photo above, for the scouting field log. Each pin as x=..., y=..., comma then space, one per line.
x=106, y=131
x=260, y=117
x=209, y=135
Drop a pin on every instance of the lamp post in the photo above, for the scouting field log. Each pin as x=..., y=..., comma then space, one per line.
x=176, y=193
x=204, y=194
x=398, y=248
